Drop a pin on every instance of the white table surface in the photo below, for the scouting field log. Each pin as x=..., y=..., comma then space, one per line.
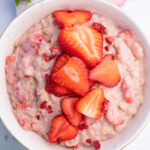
x=139, y=10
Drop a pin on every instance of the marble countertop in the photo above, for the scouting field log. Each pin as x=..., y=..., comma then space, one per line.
x=136, y=8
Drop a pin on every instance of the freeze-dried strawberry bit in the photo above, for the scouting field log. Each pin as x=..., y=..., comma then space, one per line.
x=105, y=106
x=46, y=57
x=43, y=105
x=38, y=117
x=99, y=27
x=49, y=109
x=82, y=127
x=89, y=141
x=97, y=144
x=55, y=50
x=109, y=39
x=59, y=140
x=106, y=48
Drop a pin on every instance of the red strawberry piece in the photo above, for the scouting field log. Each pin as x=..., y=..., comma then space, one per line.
x=89, y=141
x=84, y=42
x=106, y=48
x=91, y=104
x=68, y=106
x=99, y=27
x=66, y=18
x=109, y=39
x=53, y=87
x=61, y=129
x=97, y=144
x=61, y=60
x=106, y=72
x=74, y=76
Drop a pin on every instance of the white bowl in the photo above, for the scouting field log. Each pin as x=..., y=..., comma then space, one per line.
x=33, y=15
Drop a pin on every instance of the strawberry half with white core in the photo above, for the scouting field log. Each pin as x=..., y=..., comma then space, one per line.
x=74, y=76
x=68, y=106
x=118, y=2
x=91, y=104
x=61, y=130
x=84, y=42
x=106, y=72
x=67, y=18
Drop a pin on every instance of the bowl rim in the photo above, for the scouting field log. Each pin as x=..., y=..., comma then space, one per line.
x=122, y=12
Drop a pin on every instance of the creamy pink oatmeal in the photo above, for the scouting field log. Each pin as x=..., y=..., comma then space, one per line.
x=32, y=60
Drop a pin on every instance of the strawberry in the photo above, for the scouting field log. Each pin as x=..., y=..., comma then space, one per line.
x=61, y=130
x=106, y=72
x=61, y=60
x=68, y=106
x=91, y=104
x=59, y=90
x=84, y=42
x=74, y=76
x=67, y=18
x=53, y=87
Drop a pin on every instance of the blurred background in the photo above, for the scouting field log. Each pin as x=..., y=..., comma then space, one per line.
x=138, y=9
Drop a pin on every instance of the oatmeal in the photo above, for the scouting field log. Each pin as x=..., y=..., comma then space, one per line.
x=76, y=81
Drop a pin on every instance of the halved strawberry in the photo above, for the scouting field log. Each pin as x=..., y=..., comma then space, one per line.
x=66, y=18
x=74, y=76
x=61, y=60
x=61, y=130
x=53, y=87
x=84, y=42
x=68, y=106
x=106, y=72
x=91, y=104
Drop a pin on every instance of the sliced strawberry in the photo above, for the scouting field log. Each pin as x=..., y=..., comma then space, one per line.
x=68, y=106
x=53, y=87
x=59, y=90
x=84, y=42
x=61, y=130
x=74, y=76
x=106, y=72
x=61, y=60
x=91, y=104
x=66, y=18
